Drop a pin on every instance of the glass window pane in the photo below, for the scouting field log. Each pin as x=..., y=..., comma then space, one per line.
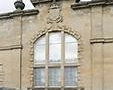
x=71, y=49
x=39, y=51
x=39, y=77
x=54, y=76
x=70, y=76
x=69, y=38
x=55, y=37
x=54, y=47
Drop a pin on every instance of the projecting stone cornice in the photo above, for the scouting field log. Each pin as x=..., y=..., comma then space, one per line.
x=19, y=13
x=34, y=2
x=101, y=40
x=83, y=5
x=79, y=5
x=11, y=47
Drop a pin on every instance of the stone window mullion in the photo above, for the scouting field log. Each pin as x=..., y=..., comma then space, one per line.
x=62, y=60
x=47, y=59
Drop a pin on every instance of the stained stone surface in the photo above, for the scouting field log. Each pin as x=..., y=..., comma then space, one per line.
x=91, y=25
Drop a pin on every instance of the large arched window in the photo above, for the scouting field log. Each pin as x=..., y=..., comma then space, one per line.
x=56, y=61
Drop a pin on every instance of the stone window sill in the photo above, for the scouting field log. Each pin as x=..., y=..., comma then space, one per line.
x=74, y=88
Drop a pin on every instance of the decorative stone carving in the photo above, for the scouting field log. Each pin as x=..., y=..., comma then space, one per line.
x=54, y=13
x=52, y=28
x=55, y=27
x=19, y=5
x=54, y=24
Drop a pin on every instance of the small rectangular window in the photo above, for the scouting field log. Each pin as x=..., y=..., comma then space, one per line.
x=54, y=77
x=39, y=77
x=70, y=76
x=71, y=53
x=54, y=47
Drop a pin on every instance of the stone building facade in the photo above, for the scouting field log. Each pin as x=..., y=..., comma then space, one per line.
x=89, y=23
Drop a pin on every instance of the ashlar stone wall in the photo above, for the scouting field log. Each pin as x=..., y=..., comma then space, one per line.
x=92, y=24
